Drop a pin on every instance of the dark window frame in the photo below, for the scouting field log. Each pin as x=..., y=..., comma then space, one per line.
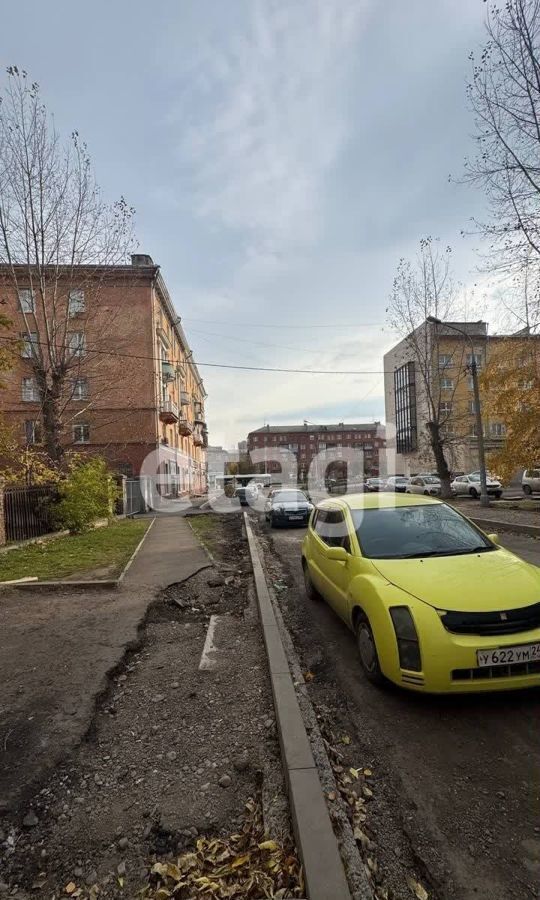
x=405, y=403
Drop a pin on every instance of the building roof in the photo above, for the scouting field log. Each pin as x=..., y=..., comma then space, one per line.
x=313, y=429
x=474, y=329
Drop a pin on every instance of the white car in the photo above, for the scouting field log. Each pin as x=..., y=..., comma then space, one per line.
x=470, y=485
x=429, y=485
x=397, y=483
x=530, y=481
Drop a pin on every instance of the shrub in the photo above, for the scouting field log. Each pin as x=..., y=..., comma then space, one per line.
x=88, y=493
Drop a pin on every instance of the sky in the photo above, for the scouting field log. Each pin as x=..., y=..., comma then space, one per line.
x=282, y=156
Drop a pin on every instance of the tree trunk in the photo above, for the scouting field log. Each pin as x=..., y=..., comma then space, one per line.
x=440, y=460
x=50, y=415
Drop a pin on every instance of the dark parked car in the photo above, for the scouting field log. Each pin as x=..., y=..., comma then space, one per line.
x=375, y=484
x=246, y=494
x=287, y=507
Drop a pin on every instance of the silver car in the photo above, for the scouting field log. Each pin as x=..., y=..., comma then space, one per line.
x=470, y=485
x=429, y=485
x=530, y=481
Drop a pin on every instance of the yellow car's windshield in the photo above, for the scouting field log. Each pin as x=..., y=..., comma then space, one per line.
x=406, y=532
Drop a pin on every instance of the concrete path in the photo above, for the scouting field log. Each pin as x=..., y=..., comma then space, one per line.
x=57, y=648
x=170, y=553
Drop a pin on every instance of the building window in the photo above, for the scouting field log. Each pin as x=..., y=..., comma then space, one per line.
x=472, y=408
x=81, y=434
x=445, y=360
x=255, y=438
x=76, y=304
x=32, y=432
x=470, y=383
x=445, y=408
x=30, y=340
x=312, y=437
x=30, y=391
x=322, y=445
x=77, y=343
x=474, y=430
x=26, y=300
x=477, y=357
x=405, y=394
x=497, y=429
x=447, y=384
x=80, y=389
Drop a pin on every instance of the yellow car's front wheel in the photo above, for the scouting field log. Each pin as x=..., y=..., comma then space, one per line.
x=367, y=650
x=311, y=590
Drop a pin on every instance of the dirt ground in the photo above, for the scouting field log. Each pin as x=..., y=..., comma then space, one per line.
x=454, y=781
x=174, y=750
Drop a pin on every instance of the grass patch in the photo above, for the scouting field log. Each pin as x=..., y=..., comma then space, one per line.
x=532, y=505
x=208, y=528
x=52, y=560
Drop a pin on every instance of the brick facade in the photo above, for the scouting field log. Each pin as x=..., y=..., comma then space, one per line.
x=140, y=388
x=306, y=441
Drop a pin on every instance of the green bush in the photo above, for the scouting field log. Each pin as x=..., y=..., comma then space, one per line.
x=88, y=493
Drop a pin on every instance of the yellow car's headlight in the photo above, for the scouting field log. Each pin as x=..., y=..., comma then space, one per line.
x=407, y=638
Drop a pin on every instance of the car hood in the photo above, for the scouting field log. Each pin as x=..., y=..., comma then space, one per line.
x=479, y=582
x=291, y=507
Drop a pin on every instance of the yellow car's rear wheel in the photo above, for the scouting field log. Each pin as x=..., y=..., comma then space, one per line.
x=367, y=649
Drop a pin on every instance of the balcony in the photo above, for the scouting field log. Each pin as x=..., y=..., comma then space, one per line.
x=184, y=398
x=184, y=426
x=198, y=438
x=205, y=437
x=168, y=372
x=168, y=411
x=199, y=419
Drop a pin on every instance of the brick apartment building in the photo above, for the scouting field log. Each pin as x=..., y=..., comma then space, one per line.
x=306, y=441
x=132, y=386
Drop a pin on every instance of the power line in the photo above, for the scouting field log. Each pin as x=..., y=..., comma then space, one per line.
x=213, y=365
x=380, y=325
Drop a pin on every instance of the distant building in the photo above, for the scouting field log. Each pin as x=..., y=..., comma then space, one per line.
x=217, y=460
x=446, y=355
x=307, y=441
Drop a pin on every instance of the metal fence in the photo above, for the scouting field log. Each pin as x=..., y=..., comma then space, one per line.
x=27, y=511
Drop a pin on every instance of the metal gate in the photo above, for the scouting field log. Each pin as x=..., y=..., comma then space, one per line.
x=28, y=511
x=134, y=497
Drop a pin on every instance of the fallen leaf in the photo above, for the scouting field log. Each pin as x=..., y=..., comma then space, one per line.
x=268, y=845
x=367, y=791
x=331, y=795
x=368, y=773
x=309, y=676
x=354, y=772
x=69, y=888
x=418, y=890
x=345, y=739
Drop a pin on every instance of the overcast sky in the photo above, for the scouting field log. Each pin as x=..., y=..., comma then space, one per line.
x=282, y=156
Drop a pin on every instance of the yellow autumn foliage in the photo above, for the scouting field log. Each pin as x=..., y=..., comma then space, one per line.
x=511, y=394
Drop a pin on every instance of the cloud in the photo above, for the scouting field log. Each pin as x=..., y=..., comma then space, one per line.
x=266, y=119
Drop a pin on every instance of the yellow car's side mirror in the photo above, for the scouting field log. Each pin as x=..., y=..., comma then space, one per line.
x=494, y=538
x=337, y=553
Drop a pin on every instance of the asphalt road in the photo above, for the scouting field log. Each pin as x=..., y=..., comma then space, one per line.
x=457, y=779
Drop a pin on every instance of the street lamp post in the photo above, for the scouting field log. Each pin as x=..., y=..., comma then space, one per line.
x=484, y=499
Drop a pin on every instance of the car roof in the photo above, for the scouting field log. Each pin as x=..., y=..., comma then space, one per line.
x=378, y=501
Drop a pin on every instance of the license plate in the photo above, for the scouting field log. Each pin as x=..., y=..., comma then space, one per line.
x=295, y=518
x=507, y=655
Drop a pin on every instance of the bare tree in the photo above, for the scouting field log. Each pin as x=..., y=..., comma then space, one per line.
x=504, y=94
x=58, y=242
x=425, y=288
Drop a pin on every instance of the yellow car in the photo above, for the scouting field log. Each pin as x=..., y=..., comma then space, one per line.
x=435, y=604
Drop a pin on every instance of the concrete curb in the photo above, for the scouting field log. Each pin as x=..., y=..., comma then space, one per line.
x=317, y=844
x=94, y=585
x=493, y=525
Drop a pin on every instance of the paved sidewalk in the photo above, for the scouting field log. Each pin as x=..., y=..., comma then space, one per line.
x=169, y=554
x=56, y=650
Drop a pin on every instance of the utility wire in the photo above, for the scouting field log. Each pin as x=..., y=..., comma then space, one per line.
x=213, y=365
x=380, y=325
